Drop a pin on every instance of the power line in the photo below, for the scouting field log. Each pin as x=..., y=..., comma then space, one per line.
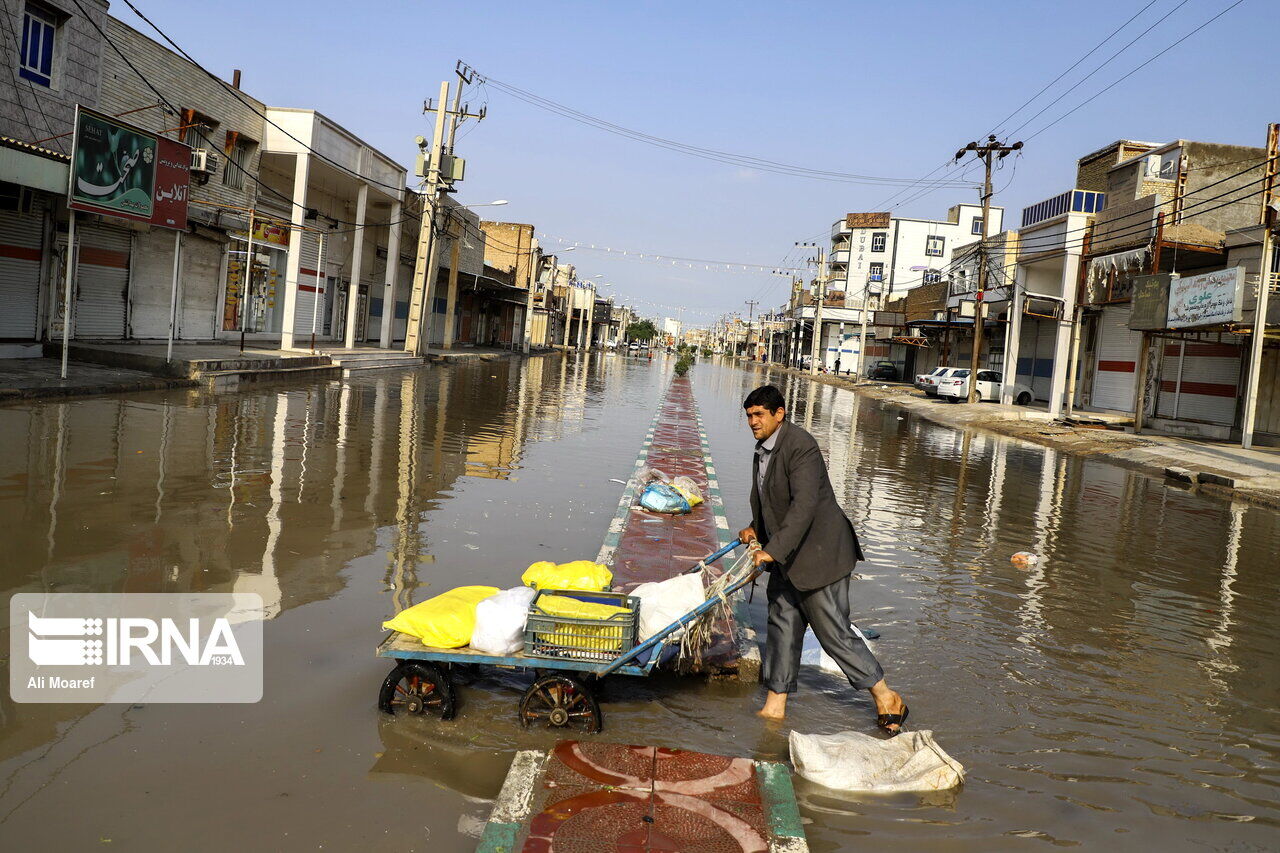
x=726, y=157
x=236, y=94
x=1135, y=70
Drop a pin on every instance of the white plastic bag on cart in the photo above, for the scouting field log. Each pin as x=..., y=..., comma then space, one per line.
x=663, y=602
x=853, y=761
x=500, y=621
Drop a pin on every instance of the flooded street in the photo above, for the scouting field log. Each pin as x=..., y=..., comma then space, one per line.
x=1121, y=693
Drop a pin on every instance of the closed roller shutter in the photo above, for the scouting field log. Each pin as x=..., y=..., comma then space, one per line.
x=1117, y=351
x=21, y=252
x=309, y=303
x=201, y=280
x=1204, y=383
x=1027, y=349
x=102, y=281
x=1046, y=342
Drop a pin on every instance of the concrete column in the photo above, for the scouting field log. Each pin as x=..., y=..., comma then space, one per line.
x=1014, y=332
x=451, y=295
x=1062, y=346
x=357, y=264
x=393, y=272
x=293, y=263
x=591, y=316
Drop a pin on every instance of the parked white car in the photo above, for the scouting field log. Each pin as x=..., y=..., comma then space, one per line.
x=955, y=387
x=928, y=382
x=936, y=378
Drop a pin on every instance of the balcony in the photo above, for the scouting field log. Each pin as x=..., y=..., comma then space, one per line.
x=839, y=256
x=1071, y=201
x=839, y=228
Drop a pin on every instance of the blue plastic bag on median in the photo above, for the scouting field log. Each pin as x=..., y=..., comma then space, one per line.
x=660, y=497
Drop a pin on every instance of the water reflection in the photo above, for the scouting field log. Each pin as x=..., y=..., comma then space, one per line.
x=1124, y=686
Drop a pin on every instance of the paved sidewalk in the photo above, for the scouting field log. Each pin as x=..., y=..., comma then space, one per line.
x=30, y=378
x=609, y=796
x=1213, y=466
x=644, y=546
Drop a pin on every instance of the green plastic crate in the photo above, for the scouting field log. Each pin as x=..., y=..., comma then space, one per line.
x=597, y=640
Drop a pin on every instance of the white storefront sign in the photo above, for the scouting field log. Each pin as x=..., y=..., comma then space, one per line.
x=1208, y=299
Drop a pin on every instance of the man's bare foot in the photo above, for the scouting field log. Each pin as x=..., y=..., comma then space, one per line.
x=775, y=706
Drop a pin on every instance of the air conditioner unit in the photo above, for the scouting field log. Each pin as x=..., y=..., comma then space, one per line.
x=203, y=161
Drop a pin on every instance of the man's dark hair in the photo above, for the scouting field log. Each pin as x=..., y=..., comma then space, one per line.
x=767, y=396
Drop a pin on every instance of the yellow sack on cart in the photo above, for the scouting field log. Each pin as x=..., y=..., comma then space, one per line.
x=444, y=622
x=576, y=637
x=580, y=575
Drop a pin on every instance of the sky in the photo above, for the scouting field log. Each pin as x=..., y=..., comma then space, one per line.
x=883, y=89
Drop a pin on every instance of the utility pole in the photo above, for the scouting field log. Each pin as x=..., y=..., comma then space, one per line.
x=985, y=152
x=1270, y=200
x=862, y=335
x=422, y=297
x=819, y=345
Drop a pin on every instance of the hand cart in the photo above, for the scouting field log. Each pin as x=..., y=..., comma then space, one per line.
x=422, y=683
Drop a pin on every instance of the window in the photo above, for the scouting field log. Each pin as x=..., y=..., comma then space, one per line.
x=233, y=175
x=877, y=271
x=977, y=226
x=933, y=244
x=197, y=129
x=878, y=241
x=39, y=29
x=932, y=276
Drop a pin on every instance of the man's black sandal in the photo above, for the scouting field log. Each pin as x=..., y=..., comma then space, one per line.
x=899, y=720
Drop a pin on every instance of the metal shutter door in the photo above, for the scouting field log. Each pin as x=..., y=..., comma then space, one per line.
x=305, y=306
x=102, y=281
x=21, y=251
x=1026, y=350
x=1170, y=365
x=1210, y=383
x=1113, y=383
x=1046, y=342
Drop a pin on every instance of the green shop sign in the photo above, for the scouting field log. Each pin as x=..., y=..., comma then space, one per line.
x=113, y=168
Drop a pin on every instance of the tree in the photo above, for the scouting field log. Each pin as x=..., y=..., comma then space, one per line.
x=643, y=330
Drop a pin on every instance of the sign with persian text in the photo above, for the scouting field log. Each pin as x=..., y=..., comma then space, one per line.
x=121, y=170
x=1208, y=299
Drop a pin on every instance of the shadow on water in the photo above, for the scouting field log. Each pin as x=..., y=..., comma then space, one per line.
x=1123, y=688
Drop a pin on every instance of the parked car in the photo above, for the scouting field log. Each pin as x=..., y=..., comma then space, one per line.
x=883, y=370
x=955, y=387
x=923, y=381
x=939, y=374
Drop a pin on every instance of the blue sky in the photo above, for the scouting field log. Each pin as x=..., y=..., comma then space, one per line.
x=884, y=88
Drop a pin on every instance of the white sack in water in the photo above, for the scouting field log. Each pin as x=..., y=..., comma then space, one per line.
x=852, y=761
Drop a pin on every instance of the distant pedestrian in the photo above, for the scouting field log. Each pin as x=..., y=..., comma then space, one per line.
x=837, y=365
x=811, y=549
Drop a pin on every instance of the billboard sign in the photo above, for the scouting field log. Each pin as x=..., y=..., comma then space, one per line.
x=1208, y=299
x=121, y=170
x=1150, y=302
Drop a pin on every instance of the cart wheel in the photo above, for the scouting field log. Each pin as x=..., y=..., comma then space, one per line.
x=416, y=687
x=561, y=702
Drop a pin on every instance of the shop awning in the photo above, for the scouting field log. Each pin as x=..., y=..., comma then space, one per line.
x=28, y=165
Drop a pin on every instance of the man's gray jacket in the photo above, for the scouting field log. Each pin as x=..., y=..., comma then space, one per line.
x=797, y=519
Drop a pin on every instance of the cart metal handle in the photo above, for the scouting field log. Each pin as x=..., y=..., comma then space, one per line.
x=660, y=639
x=711, y=558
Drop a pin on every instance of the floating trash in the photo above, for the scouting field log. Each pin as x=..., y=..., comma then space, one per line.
x=1024, y=559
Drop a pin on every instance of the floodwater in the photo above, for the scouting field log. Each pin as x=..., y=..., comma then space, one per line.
x=1121, y=694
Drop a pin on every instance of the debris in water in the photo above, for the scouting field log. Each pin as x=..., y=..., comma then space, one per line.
x=1024, y=559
